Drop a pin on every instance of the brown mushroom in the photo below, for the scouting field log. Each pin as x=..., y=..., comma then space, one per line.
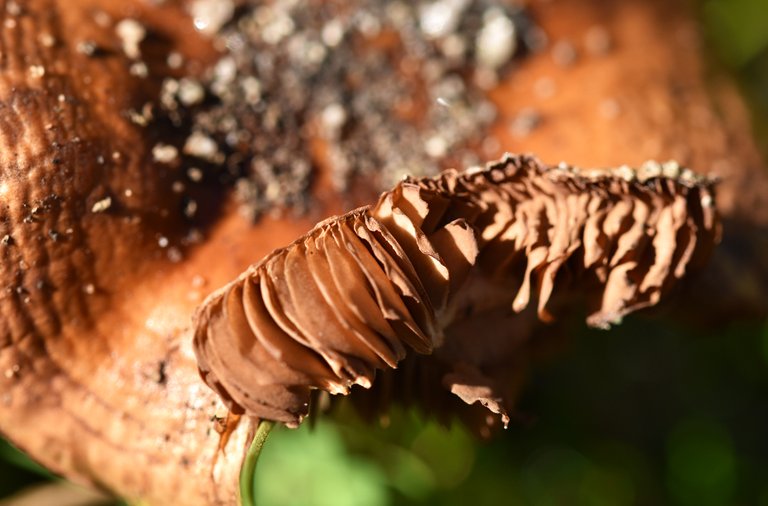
x=363, y=291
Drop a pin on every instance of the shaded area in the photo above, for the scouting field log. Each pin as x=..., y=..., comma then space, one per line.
x=17, y=470
x=644, y=414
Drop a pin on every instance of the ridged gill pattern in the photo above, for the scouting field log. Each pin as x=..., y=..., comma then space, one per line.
x=361, y=291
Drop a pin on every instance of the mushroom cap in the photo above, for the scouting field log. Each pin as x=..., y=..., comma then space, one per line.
x=96, y=356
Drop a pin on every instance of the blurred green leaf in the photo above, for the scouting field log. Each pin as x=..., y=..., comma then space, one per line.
x=312, y=467
x=12, y=455
x=560, y=475
x=739, y=28
x=701, y=463
x=450, y=453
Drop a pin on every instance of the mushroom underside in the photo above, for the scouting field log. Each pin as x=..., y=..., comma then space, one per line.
x=433, y=295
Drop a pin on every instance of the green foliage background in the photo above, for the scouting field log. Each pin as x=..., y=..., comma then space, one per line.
x=643, y=414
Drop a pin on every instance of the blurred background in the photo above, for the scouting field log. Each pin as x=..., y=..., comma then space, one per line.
x=642, y=414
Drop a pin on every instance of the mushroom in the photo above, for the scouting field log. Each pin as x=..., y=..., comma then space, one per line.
x=419, y=274
x=99, y=379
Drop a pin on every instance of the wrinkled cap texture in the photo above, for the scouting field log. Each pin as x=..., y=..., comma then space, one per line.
x=437, y=287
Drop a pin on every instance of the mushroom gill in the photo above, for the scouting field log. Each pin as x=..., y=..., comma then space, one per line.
x=443, y=279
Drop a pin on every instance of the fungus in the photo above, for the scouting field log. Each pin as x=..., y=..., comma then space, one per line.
x=445, y=275
x=86, y=318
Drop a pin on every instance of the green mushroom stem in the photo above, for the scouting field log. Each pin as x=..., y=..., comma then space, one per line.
x=248, y=471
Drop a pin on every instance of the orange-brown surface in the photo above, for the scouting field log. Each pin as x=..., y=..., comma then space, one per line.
x=98, y=377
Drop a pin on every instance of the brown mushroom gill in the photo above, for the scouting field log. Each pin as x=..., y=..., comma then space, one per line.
x=438, y=276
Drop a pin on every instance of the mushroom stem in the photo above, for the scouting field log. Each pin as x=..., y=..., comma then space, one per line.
x=248, y=470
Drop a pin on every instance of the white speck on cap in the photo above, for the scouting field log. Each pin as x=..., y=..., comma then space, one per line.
x=164, y=153
x=252, y=89
x=440, y=18
x=200, y=145
x=670, y=169
x=131, y=33
x=333, y=33
x=209, y=16
x=495, y=43
x=102, y=205
x=190, y=91
x=334, y=116
x=436, y=146
x=36, y=71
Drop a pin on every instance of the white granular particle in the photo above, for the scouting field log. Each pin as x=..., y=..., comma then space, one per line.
x=626, y=173
x=474, y=169
x=436, y=146
x=175, y=255
x=131, y=33
x=670, y=169
x=164, y=153
x=368, y=24
x=332, y=33
x=688, y=176
x=195, y=174
x=333, y=117
x=251, y=89
x=453, y=46
x=102, y=205
x=200, y=145
x=190, y=91
x=495, y=43
x=36, y=71
x=13, y=8
x=440, y=18
x=168, y=91
x=278, y=26
x=225, y=70
x=209, y=16
x=46, y=39
x=175, y=60
x=649, y=169
x=314, y=52
x=139, y=69
x=190, y=209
